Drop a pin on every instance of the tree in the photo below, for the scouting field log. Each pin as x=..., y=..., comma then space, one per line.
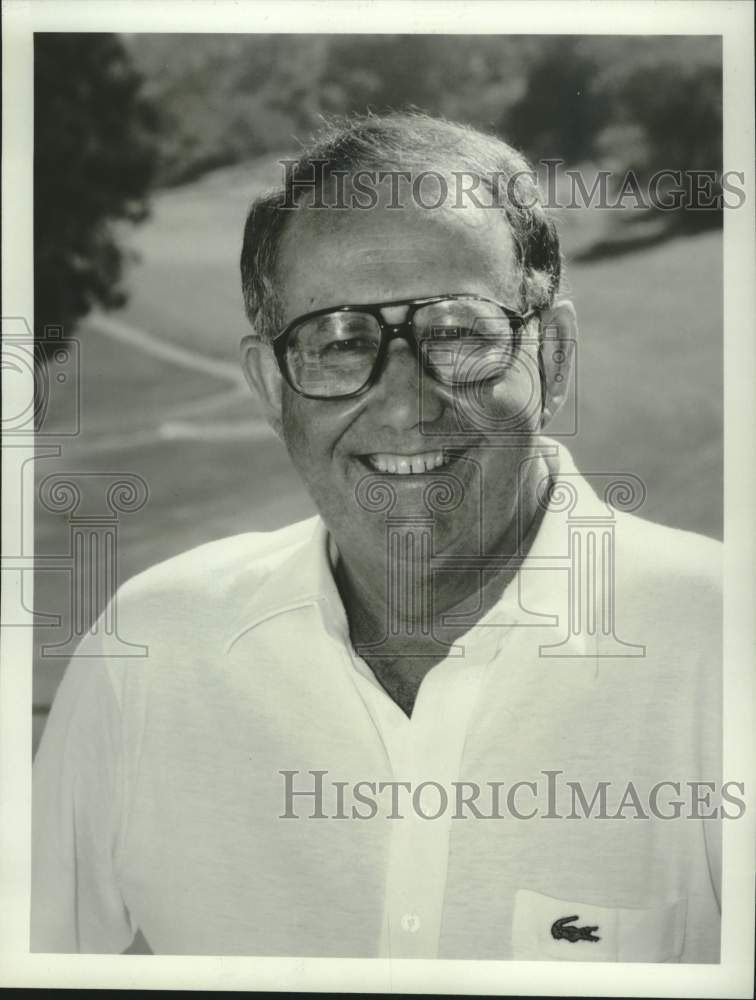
x=95, y=156
x=562, y=109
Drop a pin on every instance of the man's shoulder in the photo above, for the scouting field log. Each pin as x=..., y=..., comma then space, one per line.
x=657, y=547
x=668, y=565
x=215, y=572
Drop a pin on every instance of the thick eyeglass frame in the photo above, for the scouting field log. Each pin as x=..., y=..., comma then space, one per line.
x=389, y=332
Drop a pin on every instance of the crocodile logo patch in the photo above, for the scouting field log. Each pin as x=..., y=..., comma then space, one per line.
x=563, y=928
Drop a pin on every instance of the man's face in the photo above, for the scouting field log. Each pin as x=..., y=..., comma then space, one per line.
x=332, y=258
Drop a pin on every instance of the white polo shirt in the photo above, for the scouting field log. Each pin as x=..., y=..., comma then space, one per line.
x=160, y=783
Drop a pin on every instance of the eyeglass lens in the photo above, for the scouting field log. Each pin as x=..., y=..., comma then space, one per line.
x=460, y=340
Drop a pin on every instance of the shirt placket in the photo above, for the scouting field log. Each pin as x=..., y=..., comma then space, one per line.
x=427, y=749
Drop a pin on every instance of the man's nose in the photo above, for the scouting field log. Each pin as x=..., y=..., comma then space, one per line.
x=394, y=314
x=403, y=397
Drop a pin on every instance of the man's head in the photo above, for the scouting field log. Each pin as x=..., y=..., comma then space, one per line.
x=406, y=207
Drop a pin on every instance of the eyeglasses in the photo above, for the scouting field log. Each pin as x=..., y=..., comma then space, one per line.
x=340, y=352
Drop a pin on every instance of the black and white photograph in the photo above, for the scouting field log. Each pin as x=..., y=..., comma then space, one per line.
x=378, y=497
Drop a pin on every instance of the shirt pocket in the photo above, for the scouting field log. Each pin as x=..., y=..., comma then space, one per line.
x=548, y=929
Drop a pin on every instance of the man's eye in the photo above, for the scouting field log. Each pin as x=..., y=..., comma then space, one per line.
x=449, y=332
x=351, y=345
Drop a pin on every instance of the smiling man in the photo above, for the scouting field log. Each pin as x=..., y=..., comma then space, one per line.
x=343, y=384
x=471, y=710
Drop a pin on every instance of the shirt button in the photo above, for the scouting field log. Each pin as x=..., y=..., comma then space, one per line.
x=410, y=923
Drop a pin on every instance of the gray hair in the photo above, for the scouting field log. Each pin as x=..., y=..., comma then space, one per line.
x=399, y=141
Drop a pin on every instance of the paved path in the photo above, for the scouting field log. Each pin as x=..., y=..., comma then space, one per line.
x=166, y=351
x=187, y=420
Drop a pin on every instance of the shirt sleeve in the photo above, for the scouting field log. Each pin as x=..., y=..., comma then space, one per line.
x=76, y=904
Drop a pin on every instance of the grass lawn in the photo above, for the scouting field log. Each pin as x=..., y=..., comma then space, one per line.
x=648, y=395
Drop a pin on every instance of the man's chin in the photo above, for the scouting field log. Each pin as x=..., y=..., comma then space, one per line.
x=418, y=513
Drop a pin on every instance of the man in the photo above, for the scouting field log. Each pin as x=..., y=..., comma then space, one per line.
x=464, y=713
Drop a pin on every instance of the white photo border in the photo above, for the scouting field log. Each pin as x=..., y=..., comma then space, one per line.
x=733, y=976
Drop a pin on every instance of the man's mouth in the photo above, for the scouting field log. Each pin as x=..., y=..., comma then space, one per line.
x=408, y=465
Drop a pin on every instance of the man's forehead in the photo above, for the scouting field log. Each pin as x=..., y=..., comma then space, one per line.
x=328, y=210
x=431, y=250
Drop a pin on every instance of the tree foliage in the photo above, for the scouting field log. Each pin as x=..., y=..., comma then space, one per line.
x=638, y=104
x=632, y=102
x=95, y=157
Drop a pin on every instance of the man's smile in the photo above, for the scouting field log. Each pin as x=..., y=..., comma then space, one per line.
x=410, y=463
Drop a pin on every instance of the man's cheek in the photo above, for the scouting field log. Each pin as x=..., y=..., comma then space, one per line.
x=297, y=430
x=510, y=405
x=521, y=392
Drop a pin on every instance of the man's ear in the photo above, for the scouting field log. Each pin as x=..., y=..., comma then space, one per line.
x=262, y=375
x=559, y=332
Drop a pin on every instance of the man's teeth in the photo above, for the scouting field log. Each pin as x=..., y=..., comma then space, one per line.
x=405, y=465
